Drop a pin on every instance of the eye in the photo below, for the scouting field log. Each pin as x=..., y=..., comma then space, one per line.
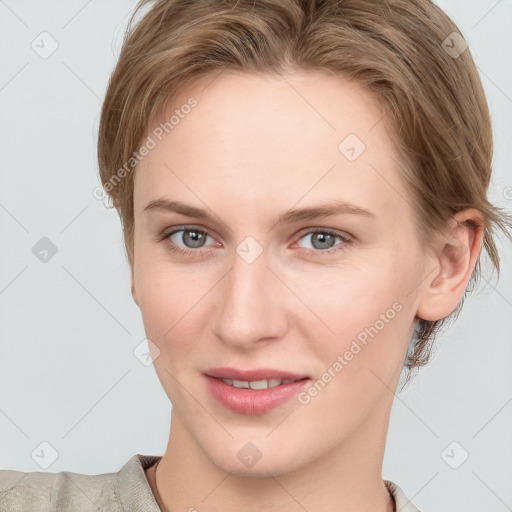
x=323, y=240
x=186, y=239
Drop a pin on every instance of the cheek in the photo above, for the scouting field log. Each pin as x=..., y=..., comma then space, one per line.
x=362, y=355
x=362, y=313
x=168, y=303
x=165, y=296
x=176, y=306
x=343, y=301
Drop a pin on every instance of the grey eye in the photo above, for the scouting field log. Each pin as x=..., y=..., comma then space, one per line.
x=191, y=238
x=321, y=240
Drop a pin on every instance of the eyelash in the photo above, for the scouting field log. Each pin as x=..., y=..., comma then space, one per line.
x=196, y=252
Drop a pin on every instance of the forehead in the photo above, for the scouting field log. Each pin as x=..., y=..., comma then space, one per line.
x=260, y=139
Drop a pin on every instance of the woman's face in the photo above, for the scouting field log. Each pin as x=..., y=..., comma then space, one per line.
x=260, y=278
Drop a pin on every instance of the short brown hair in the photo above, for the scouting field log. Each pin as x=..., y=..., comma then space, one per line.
x=408, y=52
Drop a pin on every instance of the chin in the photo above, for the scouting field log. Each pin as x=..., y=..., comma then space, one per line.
x=251, y=461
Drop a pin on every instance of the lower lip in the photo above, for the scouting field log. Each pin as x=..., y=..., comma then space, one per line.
x=253, y=401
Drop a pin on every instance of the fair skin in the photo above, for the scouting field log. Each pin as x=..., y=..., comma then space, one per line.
x=252, y=149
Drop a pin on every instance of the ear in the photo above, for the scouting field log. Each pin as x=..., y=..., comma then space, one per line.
x=455, y=257
x=134, y=293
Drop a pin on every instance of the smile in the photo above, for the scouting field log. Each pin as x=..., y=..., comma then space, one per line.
x=256, y=384
x=252, y=392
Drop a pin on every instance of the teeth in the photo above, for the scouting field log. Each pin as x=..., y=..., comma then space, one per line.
x=256, y=384
x=240, y=384
x=264, y=384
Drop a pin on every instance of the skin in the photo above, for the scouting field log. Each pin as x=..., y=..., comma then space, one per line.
x=251, y=149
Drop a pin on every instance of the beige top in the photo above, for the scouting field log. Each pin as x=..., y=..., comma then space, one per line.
x=128, y=490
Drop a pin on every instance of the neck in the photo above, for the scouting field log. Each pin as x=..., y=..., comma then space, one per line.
x=343, y=480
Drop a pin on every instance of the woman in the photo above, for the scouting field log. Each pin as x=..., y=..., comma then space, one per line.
x=302, y=188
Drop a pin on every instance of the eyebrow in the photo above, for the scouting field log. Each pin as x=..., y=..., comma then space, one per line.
x=334, y=207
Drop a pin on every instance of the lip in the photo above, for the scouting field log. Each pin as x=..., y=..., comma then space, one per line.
x=255, y=374
x=252, y=401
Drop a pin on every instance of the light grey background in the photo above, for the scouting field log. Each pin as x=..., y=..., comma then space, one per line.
x=68, y=327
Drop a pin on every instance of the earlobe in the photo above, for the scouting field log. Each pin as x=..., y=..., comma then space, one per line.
x=456, y=257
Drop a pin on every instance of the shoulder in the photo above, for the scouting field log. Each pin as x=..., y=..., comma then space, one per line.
x=56, y=491
x=402, y=502
x=68, y=491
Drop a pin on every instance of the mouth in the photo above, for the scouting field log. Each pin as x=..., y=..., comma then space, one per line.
x=255, y=375
x=257, y=384
x=253, y=391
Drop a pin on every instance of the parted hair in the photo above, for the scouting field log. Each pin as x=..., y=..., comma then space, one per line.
x=409, y=53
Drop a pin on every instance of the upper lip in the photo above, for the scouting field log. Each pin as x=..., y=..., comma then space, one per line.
x=252, y=375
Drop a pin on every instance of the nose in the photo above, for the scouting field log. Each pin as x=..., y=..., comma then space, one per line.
x=250, y=304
